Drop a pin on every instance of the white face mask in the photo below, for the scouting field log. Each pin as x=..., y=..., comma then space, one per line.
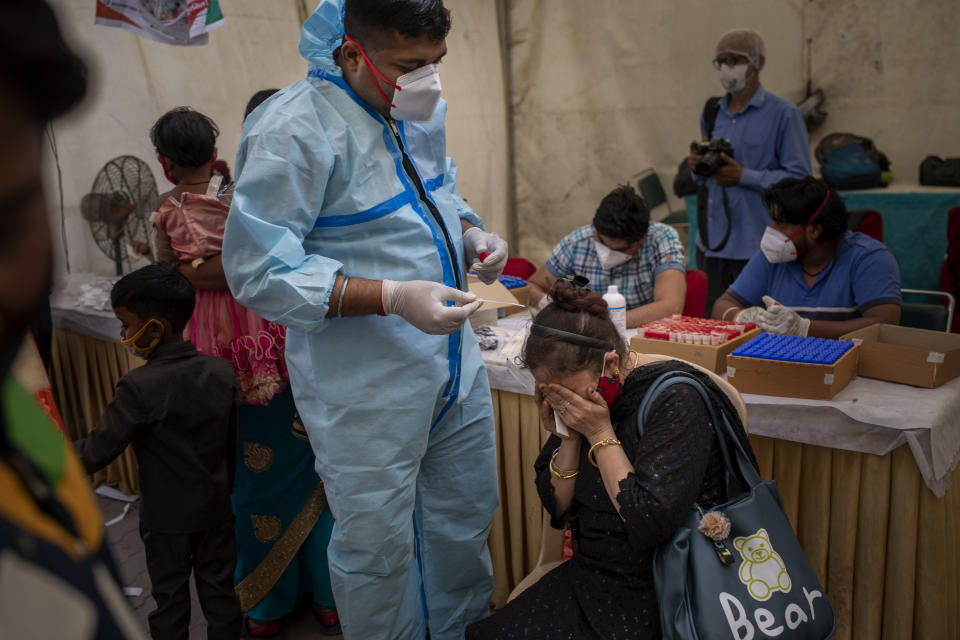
x=777, y=247
x=734, y=79
x=417, y=94
x=610, y=258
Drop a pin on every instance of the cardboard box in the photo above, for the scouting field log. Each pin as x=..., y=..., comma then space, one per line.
x=499, y=301
x=521, y=294
x=792, y=379
x=707, y=356
x=917, y=357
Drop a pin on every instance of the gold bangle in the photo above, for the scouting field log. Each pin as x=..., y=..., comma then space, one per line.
x=601, y=443
x=723, y=316
x=559, y=473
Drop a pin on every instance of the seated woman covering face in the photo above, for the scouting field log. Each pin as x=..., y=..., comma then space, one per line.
x=812, y=276
x=622, y=495
x=622, y=247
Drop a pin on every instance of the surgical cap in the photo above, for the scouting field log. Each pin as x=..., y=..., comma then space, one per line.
x=745, y=42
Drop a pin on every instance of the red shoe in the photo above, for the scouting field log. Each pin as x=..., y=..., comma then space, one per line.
x=271, y=630
x=329, y=620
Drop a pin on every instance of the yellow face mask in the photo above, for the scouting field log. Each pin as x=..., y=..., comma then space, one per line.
x=131, y=342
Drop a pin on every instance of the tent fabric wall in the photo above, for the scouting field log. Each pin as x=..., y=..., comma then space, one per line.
x=134, y=81
x=472, y=77
x=604, y=89
x=594, y=92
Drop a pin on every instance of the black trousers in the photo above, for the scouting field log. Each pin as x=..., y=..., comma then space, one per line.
x=212, y=556
x=721, y=273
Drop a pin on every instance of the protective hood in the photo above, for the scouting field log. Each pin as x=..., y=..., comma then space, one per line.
x=321, y=35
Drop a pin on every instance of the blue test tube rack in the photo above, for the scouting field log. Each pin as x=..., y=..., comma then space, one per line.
x=772, y=346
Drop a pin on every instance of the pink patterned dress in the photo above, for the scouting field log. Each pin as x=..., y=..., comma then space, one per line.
x=220, y=326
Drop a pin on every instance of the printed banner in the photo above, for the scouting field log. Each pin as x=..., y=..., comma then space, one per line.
x=177, y=22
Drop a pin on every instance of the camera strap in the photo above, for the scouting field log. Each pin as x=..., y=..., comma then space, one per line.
x=710, y=111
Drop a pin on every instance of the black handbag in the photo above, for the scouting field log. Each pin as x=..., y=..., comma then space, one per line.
x=753, y=580
x=936, y=171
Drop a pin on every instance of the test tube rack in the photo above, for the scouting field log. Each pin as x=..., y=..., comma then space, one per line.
x=771, y=346
x=689, y=330
x=793, y=366
x=698, y=340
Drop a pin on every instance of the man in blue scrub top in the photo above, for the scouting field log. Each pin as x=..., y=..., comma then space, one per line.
x=347, y=226
x=770, y=143
x=813, y=275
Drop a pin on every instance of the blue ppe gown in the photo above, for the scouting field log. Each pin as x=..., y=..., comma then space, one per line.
x=401, y=422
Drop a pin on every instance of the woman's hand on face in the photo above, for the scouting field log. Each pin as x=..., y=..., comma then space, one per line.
x=546, y=412
x=588, y=416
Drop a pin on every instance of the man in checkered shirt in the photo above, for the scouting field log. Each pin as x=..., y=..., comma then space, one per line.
x=622, y=247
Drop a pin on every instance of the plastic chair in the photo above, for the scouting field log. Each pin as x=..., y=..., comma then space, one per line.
x=866, y=221
x=551, y=556
x=950, y=269
x=551, y=540
x=920, y=315
x=695, y=305
x=519, y=268
x=651, y=190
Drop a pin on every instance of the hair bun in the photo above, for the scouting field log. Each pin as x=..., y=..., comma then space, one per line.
x=578, y=299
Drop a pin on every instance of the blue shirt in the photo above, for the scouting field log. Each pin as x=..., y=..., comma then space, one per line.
x=769, y=139
x=861, y=275
x=575, y=254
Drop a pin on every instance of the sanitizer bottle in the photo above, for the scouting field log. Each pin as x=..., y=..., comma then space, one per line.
x=617, y=308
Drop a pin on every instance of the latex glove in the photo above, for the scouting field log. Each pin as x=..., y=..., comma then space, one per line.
x=780, y=319
x=750, y=314
x=477, y=242
x=421, y=303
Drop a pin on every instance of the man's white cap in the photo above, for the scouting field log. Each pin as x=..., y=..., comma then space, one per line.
x=745, y=42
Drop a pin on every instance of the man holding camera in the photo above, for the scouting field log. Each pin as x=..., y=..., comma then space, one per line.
x=752, y=139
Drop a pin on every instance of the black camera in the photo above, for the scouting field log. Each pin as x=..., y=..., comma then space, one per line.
x=711, y=160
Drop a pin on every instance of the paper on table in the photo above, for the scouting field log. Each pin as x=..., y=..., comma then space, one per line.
x=113, y=521
x=114, y=494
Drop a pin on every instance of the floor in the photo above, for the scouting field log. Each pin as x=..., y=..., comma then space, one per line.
x=124, y=540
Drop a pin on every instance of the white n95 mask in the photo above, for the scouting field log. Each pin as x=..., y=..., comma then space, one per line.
x=733, y=79
x=609, y=258
x=777, y=247
x=417, y=94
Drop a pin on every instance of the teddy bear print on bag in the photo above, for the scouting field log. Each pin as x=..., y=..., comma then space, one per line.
x=763, y=570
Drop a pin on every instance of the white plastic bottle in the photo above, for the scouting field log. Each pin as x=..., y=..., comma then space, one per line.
x=617, y=308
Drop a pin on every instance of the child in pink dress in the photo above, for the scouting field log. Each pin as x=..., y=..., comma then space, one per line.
x=189, y=226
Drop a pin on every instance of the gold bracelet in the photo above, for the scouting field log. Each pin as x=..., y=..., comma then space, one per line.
x=559, y=473
x=601, y=443
x=723, y=316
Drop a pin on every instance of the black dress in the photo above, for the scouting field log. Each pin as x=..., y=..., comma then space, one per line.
x=606, y=589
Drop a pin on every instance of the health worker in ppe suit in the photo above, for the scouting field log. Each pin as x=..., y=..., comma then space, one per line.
x=347, y=227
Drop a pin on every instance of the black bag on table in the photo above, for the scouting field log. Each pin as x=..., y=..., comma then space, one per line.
x=756, y=581
x=939, y=172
